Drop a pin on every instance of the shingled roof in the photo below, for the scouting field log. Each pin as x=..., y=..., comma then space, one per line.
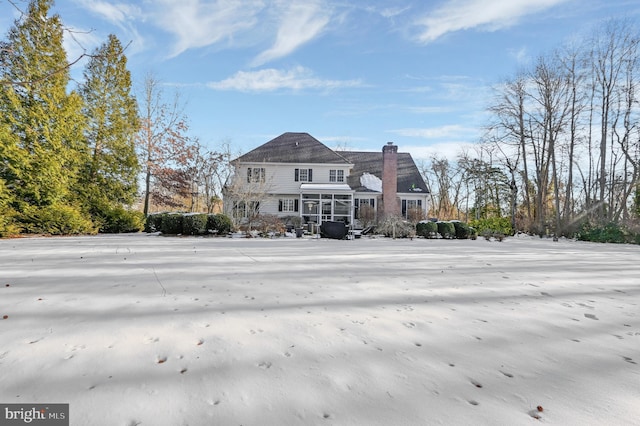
x=409, y=178
x=293, y=148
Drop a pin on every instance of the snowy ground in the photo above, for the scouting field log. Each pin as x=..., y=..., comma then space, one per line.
x=149, y=330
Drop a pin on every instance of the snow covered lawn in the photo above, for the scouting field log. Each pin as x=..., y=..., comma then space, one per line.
x=149, y=330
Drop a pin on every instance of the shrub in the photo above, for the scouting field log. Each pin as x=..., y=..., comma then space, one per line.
x=427, y=229
x=266, y=224
x=446, y=229
x=609, y=233
x=8, y=225
x=154, y=222
x=194, y=224
x=396, y=227
x=118, y=219
x=219, y=223
x=473, y=234
x=57, y=219
x=462, y=230
x=172, y=223
x=496, y=225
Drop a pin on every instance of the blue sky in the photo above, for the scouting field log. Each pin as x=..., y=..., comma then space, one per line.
x=354, y=74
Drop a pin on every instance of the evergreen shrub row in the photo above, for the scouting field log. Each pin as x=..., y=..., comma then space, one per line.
x=608, y=233
x=453, y=229
x=188, y=223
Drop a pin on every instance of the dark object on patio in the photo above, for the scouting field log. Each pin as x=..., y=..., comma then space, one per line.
x=335, y=230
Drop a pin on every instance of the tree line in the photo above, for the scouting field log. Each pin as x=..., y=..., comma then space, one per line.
x=561, y=151
x=71, y=158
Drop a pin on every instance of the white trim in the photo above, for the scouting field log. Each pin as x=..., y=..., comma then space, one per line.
x=332, y=187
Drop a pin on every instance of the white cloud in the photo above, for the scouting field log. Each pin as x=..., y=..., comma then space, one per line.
x=392, y=12
x=196, y=23
x=268, y=80
x=429, y=109
x=449, y=150
x=301, y=22
x=122, y=15
x=445, y=141
x=454, y=131
x=490, y=15
x=520, y=55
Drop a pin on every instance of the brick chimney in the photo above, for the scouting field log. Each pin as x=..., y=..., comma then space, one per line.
x=390, y=202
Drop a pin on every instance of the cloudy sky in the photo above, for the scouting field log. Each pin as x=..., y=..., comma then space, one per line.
x=353, y=74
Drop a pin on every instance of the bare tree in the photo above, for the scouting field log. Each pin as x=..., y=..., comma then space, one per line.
x=161, y=141
x=245, y=191
x=613, y=49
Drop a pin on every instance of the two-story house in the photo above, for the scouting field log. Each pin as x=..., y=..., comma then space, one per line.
x=297, y=175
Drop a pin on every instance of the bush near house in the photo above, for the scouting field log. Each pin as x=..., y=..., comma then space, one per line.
x=188, y=223
x=427, y=229
x=396, y=227
x=172, y=223
x=153, y=222
x=219, y=223
x=462, y=230
x=195, y=224
x=446, y=229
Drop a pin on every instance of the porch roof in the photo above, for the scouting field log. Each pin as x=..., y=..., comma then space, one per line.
x=326, y=187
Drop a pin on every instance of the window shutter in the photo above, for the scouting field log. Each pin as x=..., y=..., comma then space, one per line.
x=296, y=205
x=249, y=175
x=297, y=173
x=279, y=205
x=310, y=175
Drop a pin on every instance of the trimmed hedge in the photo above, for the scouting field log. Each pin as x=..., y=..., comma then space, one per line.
x=446, y=230
x=462, y=230
x=427, y=229
x=172, y=223
x=153, y=222
x=219, y=223
x=195, y=224
x=188, y=223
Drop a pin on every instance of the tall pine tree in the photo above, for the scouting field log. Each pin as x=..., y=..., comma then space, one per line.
x=109, y=179
x=47, y=122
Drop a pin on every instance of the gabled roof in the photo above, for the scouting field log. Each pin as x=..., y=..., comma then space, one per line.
x=293, y=148
x=409, y=177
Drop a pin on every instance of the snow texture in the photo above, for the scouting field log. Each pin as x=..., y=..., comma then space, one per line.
x=149, y=330
x=371, y=182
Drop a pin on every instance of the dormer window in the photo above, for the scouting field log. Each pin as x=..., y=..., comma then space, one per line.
x=303, y=175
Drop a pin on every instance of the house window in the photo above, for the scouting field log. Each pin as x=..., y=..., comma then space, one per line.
x=255, y=175
x=243, y=209
x=410, y=205
x=303, y=175
x=369, y=205
x=288, y=205
x=336, y=175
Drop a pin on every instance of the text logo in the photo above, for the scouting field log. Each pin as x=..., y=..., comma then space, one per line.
x=34, y=414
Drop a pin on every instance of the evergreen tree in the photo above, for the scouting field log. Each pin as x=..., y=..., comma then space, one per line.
x=109, y=179
x=47, y=122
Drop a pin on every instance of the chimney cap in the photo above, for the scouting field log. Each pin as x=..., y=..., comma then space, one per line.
x=389, y=143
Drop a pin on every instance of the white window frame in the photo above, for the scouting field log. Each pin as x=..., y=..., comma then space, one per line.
x=336, y=175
